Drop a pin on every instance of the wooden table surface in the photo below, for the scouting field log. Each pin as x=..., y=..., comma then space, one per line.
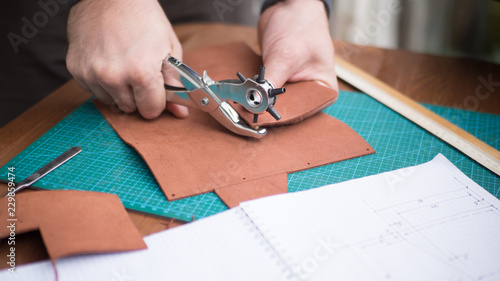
x=455, y=82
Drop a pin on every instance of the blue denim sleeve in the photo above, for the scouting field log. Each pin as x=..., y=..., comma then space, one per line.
x=268, y=3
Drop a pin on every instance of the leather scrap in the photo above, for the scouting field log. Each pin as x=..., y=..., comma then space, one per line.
x=72, y=222
x=198, y=155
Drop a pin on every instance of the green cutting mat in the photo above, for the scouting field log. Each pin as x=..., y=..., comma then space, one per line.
x=108, y=165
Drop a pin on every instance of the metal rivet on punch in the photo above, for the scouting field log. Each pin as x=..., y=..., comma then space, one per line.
x=204, y=101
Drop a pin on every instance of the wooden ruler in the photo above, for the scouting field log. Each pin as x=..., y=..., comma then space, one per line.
x=482, y=153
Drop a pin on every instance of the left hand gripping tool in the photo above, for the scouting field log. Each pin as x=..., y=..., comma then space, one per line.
x=256, y=95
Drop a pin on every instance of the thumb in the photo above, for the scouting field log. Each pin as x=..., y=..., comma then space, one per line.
x=280, y=66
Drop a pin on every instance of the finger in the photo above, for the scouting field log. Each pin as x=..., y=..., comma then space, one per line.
x=111, y=77
x=149, y=93
x=323, y=70
x=122, y=96
x=329, y=83
x=324, y=73
x=83, y=85
x=178, y=110
x=175, y=46
x=172, y=77
x=96, y=90
x=335, y=84
x=324, y=76
x=100, y=93
x=281, y=64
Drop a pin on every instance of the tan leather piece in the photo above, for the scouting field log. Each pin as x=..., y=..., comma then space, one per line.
x=198, y=155
x=234, y=194
x=73, y=222
x=223, y=61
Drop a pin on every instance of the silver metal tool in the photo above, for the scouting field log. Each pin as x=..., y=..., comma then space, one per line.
x=58, y=161
x=257, y=95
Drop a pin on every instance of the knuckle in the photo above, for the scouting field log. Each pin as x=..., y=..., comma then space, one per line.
x=108, y=74
x=145, y=98
x=128, y=108
x=75, y=68
x=125, y=104
x=140, y=77
x=71, y=66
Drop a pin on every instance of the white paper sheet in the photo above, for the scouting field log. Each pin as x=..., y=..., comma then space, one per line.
x=428, y=222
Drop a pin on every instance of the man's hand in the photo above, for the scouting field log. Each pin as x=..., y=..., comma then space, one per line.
x=116, y=51
x=296, y=43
